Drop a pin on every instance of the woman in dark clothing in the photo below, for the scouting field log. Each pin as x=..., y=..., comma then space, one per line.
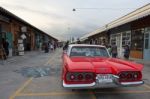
x=5, y=46
x=46, y=48
x=126, y=52
x=114, y=51
x=66, y=45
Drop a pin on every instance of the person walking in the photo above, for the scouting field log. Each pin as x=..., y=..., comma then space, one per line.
x=114, y=50
x=126, y=52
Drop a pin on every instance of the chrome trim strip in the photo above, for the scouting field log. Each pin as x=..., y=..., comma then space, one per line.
x=96, y=84
x=132, y=83
x=115, y=76
x=77, y=85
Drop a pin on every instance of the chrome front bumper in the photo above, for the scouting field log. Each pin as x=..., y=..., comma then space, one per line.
x=97, y=84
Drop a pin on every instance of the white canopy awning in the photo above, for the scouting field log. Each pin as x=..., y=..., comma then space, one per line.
x=137, y=14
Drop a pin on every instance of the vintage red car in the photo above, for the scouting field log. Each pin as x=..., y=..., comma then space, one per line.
x=90, y=66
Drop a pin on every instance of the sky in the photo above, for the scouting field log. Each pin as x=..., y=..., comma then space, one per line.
x=57, y=18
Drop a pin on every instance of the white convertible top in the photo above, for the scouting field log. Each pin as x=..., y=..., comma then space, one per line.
x=72, y=45
x=82, y=45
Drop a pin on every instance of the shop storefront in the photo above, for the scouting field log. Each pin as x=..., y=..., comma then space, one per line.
x=147, y=44
x=121, y=39
x=11, y=30
x=5, y=32
x=37, y=40
x=99, y=39
x=116, y=39
x=0, y=35
x=137, y=43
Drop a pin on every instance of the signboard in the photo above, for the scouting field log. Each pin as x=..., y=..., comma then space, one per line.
x=23, y=29
x=20, y=47
x=23, y=36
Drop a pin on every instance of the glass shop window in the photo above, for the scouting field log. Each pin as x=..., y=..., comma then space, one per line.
x=126, y=38
x=113, y=39
x=146, y=38
x=137, y=39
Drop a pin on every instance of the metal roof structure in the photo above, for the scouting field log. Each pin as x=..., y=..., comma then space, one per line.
x=93, y=33
x=11, y=15
x=137, y=14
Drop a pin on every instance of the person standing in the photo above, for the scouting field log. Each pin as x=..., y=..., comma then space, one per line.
x=114, y=50
x=46, y=47
x=55, y=46
x=66, y=45
x=40, y=46
x=5, y=46
x=109, y=49
x=51, y=47
x=126, y=52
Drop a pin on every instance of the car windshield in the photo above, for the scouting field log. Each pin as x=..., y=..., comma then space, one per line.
x=89, y=52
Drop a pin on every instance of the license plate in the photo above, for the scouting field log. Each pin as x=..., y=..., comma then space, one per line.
x=104, y=78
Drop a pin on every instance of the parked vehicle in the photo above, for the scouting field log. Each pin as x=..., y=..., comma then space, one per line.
x=90, y=66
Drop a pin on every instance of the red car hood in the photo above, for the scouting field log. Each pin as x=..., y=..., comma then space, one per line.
x=101, y=65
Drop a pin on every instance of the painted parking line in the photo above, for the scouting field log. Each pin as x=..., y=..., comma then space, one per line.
x=125, y=92
x=61, y=93
x=84, y=93
x=26, y=83
x=51, y=59
x=146, y=86
x=48, y=61
x=92, y=95
x=52, y=93
x=17, y=92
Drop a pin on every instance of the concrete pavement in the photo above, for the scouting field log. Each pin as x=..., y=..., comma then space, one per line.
x=145, y=62
x=15, y=86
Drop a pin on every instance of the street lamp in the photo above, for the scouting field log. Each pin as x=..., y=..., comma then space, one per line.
x=73, y=9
